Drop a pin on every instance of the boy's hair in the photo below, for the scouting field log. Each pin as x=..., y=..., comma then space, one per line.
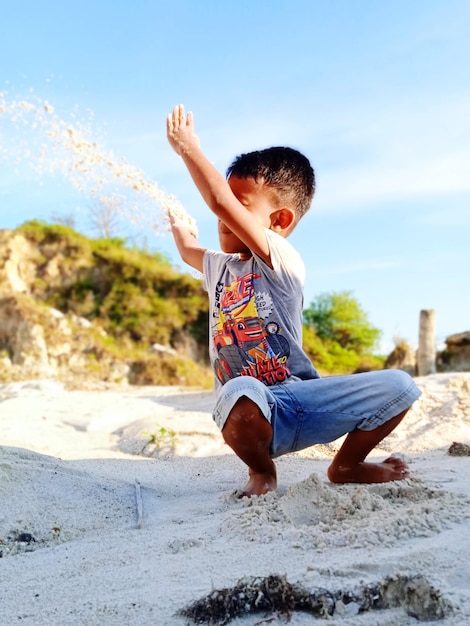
x=287, y=171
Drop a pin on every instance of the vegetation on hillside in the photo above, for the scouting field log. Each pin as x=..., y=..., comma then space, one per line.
x=135, y=296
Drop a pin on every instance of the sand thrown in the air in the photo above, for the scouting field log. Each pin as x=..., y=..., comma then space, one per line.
x=49, y=144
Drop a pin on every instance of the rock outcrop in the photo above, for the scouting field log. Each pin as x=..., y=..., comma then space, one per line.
x=17, y=270
x=456, y=356
x=37, y=341
x=402, y=357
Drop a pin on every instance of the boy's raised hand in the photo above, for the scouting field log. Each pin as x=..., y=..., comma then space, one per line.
x=180, y=130
x=176, y=221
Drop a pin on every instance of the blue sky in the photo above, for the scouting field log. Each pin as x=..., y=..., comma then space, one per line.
x=376, y=94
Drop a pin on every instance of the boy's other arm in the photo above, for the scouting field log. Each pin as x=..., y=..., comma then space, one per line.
x=212, y=185
x=189, y=248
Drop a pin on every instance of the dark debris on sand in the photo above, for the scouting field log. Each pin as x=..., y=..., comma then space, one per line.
x=459, y=449
x=275, y=595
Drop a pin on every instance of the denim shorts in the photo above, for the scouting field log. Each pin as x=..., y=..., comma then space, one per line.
x=320, y=410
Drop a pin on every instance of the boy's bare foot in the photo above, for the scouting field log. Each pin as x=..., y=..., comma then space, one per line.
x=259, y=484
x=391, y=469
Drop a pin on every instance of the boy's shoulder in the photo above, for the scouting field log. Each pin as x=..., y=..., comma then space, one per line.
x=286, y=261
x=283, y=251
x=278, y=241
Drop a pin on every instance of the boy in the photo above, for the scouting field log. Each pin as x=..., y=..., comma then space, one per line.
x=270, y=399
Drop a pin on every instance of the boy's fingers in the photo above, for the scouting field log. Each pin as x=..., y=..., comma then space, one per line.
x=169, y=122
x=176, y=118
x=180, y=113
x=178, y=122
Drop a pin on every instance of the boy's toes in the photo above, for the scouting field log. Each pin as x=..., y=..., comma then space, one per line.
x=397, y=463
x=400, y=468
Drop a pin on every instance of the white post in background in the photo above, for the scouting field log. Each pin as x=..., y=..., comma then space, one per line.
x=426, y=361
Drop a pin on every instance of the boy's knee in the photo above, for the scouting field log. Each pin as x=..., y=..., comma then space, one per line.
x=245, y=410
x=400, y=378
x=246, y=417
x=397, y=382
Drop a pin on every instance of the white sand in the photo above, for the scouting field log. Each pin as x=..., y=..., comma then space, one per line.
x=69, y=513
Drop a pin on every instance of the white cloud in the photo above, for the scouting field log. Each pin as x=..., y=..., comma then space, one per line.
x=406, y=152
x=419, y=176
x=363, y=266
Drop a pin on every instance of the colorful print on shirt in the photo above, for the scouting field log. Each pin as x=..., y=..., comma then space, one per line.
x=247, y=342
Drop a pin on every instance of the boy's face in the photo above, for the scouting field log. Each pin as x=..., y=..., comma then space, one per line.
x=257, y=199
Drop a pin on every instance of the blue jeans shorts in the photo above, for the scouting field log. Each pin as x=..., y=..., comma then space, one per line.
x=320, y=410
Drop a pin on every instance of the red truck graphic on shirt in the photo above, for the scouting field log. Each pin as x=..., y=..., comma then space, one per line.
x=245, y=332
x=245, y=348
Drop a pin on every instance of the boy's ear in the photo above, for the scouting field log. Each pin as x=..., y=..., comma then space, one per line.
x=282, y=219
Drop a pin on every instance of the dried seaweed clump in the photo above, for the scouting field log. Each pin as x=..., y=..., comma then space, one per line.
x=459, y=449
x=274, y=594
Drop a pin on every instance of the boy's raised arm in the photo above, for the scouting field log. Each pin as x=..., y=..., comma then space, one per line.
x=213, y=186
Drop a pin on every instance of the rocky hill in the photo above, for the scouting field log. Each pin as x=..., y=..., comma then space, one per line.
x=85, y=310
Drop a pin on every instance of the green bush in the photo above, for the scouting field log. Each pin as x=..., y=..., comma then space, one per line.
x=338, y=317
x=338, y=336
